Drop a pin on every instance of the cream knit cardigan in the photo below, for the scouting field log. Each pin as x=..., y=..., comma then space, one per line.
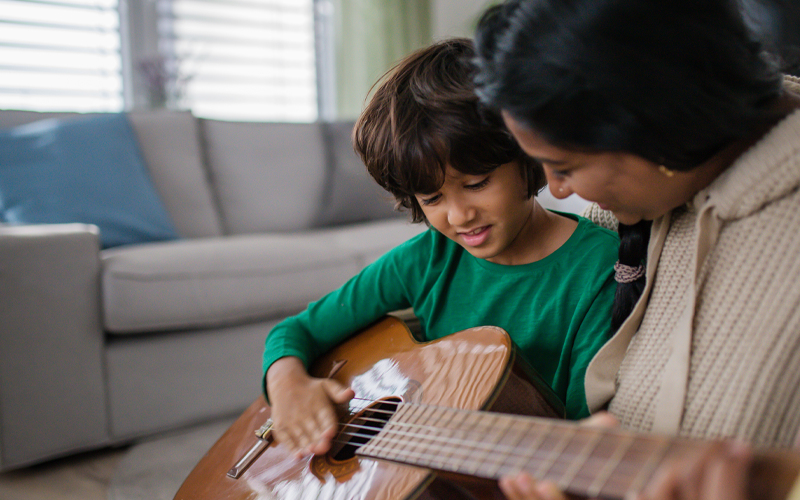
x=712, y=349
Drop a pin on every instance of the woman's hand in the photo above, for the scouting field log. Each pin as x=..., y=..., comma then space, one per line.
x=524, y=487
x=719, y=473
x=303, y=407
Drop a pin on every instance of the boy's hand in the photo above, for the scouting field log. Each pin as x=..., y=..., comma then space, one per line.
x=303, y=411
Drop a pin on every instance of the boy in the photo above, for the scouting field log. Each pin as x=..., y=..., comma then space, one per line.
x=491, y=256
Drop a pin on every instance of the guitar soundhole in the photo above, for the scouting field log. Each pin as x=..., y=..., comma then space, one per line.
x=364, y=427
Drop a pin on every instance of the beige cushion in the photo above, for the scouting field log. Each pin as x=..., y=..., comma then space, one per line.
x=231, y=280
x=268, y=176
x=170, y=145
x=216, y=281
x=351, y=195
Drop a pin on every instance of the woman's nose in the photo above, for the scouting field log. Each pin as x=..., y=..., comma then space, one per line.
x=559, y=187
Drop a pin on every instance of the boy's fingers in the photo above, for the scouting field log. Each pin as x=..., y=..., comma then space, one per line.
x=337, y=392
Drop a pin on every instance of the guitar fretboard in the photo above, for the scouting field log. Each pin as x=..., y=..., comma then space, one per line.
x=581, y=460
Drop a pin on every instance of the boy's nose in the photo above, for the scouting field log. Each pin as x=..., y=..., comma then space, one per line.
x=459, y=214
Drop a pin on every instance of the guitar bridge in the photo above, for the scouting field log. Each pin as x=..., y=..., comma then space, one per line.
x=264, y=435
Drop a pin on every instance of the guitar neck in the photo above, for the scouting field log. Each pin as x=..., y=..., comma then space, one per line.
x=591, y=462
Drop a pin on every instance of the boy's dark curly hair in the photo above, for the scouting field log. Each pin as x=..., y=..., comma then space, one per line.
x=423, y=116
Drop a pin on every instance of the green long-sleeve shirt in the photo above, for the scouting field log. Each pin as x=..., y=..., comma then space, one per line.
x=556, y=310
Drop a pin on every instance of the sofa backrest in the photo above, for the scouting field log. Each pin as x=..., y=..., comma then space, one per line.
x=351, y=194
x=267, y=176
x=170, y=146
x=216, y=177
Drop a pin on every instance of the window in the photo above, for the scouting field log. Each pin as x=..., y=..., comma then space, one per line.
x=241, y=59
x=60, y=55
x=228, y=59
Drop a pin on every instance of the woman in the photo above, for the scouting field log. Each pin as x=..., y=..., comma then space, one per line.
x=674, y=116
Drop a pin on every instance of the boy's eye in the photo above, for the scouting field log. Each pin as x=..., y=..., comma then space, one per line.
x=478, y=185
x=430, y=200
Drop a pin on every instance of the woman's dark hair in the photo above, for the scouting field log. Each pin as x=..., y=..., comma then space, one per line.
x=671, y=81
x=633, y=241
x=425, y=115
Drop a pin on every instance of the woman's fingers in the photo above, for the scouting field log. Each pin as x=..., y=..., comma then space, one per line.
x=601, y=419
x=727, y=477
x=716, y=473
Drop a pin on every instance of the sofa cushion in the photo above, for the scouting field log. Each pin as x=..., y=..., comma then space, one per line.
x=369, y=240
x=81, y=169
x=170, y=145
x=216, y=281
x=267, y=176
x=351, y=195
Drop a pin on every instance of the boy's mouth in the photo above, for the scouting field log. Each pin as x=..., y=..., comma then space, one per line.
x=475, y=236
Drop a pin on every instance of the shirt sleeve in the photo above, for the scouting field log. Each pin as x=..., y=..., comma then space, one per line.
x=381, y=287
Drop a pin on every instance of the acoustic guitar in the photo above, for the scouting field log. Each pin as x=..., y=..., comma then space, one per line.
x=413, y=431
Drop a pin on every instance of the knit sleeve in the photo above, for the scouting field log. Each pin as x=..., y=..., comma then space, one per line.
x=603, y=218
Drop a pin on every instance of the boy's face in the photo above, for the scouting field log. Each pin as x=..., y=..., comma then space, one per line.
x=489, y=215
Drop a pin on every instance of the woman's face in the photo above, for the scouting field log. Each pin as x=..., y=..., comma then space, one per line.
x=630, y=186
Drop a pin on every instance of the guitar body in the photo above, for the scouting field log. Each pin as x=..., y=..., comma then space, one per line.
x=474, y=369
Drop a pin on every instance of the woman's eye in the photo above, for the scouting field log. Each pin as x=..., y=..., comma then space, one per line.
x=478, y=185
x=430, y=201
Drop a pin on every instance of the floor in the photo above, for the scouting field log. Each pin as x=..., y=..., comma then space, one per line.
x=81, y=477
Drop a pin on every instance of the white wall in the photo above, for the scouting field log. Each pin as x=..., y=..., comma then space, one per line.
x=455, y=17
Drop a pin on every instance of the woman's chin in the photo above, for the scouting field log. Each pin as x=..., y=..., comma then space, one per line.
x=627, y=218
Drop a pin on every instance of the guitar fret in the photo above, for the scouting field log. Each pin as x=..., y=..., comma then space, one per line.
x=448, y=433
x=580, y=460
x=479, y=452
x=663, y=446
x=406, y=415
x=624, y=474
x=554, y=453
x=502, y=458
x=421, y=430
x=440, y=439
x=610, y=464
x=529, y=451
x=473, y=419
x=457, y=432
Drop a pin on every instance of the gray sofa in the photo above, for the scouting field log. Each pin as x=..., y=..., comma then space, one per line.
x=99, y=347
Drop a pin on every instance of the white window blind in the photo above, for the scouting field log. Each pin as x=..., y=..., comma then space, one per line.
x=241, y=59
x=60, y=55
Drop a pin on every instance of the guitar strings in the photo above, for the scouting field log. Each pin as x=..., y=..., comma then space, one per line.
x=516, y=458
x=529, y=457
x=415, y=431
x=475, y=445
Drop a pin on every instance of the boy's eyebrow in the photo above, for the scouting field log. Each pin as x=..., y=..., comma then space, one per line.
x=548, y=160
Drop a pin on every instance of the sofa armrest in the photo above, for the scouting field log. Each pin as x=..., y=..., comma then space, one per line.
x=52, y=392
